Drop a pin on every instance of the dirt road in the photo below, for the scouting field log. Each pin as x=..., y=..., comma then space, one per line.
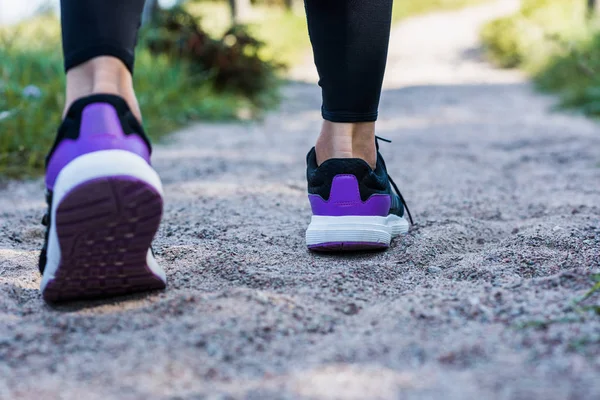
x=477, y=302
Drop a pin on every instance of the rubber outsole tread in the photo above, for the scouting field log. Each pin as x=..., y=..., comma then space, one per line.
x=93, y=263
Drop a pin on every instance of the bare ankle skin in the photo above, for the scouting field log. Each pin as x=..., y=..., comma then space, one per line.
x=347, y=140
x=103, y=74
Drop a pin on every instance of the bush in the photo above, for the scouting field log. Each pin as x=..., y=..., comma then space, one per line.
x=555, y=42
x=528, y=38
x=575, y=75
x=232, y=62
x=502, y=40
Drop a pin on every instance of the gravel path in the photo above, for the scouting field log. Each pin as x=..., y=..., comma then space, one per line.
x=478, y=302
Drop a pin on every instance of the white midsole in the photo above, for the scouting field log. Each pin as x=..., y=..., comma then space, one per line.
x=367, y=229
x=91, y=166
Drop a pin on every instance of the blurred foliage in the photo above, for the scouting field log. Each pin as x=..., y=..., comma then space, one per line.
x=537, y=31
x=557, y=43
x=407, y=8
x=284, y=33
x=231, y=62
x=280, y=3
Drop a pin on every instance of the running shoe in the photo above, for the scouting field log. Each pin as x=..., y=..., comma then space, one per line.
x=105, y=204
x=354, y=207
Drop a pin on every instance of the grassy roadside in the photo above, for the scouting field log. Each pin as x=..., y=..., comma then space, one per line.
x=32, y=81
x=556, y=44
x=32, y=95
x=30, y=112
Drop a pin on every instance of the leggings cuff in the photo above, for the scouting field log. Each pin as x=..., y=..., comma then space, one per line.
x=348, y=117
x=75, y=58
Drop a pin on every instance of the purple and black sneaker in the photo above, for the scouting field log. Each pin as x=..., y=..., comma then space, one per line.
x=354, y=207
x=105, y=204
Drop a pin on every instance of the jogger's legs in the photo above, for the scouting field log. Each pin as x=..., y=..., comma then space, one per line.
x=104, y=198
x=103, y=74
x=349, y=37
x=350, y=42
x=355, y=203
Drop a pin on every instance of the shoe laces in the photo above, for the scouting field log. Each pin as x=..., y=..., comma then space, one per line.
x=46, y=217
x=377, y=139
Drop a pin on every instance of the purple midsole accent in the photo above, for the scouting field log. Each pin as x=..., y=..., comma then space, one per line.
x=345, y=200
x=336, y=246
x=100, y=130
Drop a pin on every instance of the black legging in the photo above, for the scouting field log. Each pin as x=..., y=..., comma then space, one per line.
x=349, y=37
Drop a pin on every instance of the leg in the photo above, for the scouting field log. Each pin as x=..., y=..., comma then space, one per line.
x=99, y=38
x=102, y=74
x=350, y=42
x=355, y=204
x=104, y=198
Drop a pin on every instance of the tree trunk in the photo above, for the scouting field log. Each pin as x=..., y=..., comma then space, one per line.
x=240, y=10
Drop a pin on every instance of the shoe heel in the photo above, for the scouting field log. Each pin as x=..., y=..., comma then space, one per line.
x=104, y=218
x=346, y=222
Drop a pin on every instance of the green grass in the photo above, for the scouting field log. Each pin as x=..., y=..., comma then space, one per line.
x=545, y=324
x=594, y=290
x=579, y=313
x=557, y=44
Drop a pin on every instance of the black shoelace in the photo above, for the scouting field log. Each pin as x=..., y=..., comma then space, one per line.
x=377, y=139
x=46, y=218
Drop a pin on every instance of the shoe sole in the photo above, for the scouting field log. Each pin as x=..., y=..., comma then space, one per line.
x=353, y=233
x=103, y=228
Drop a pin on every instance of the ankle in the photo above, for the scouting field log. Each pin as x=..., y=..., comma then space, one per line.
x=107, y=75
x=347, y=140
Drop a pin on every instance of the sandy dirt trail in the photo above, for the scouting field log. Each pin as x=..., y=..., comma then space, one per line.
x=477, y=302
